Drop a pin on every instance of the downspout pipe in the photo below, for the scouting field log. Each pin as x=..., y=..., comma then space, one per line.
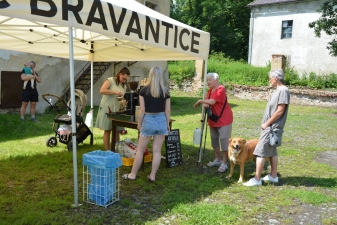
x=251, y=29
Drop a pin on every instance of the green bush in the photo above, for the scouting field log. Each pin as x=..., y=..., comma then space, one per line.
x=240, y=72
x=332, y=80
x=181, y=70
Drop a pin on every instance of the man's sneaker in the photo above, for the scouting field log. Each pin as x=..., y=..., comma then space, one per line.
x=22, y=119
x=269, y=178
x=34, y=120
x=214, y=163
x=223, y=167
x=252, y=182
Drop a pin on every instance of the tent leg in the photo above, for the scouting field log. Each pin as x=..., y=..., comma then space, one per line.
x=92, y=94
x=203, y=114
x=203, y=121
x=73, y=115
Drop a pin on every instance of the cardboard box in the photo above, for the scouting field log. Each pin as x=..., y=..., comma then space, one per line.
x=130, y=150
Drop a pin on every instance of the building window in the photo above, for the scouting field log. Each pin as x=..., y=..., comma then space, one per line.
x=151, y=5
x=287, y=29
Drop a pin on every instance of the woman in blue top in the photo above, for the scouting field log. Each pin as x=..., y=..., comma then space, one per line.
x=153, y=121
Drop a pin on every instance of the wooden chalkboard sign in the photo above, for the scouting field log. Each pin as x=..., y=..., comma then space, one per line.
x=173, y=150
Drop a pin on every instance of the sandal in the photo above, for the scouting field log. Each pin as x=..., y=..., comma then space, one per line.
x=149, y=179
x=126, y=177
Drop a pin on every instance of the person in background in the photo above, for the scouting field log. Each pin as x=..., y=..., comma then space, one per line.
x=275, y=116
x=28, y=71
x=153, y=121
x=111, y=89
x=29, y=93
x=221, y=130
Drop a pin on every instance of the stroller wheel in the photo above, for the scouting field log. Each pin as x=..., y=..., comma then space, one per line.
x=70, y=145
x=51, y=142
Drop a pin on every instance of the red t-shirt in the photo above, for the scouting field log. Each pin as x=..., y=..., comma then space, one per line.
x=219, y=95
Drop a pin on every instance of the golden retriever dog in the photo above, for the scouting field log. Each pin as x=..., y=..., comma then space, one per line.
x=239, y=152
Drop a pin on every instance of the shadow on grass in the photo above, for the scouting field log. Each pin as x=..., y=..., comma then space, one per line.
x=188, y=183
x=12, y=128
x=52, y=174
x=309, y=182
x=288, y=180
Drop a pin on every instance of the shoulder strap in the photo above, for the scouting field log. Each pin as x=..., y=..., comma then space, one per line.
x=223, y=108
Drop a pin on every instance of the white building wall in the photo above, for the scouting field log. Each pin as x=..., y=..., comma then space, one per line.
x=305, y=52
x=53, y=71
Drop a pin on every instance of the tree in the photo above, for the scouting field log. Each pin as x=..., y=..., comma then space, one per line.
x=226, y=20
x=327, y=23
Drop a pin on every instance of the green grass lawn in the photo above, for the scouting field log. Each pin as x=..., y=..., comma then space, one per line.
x=37, y=186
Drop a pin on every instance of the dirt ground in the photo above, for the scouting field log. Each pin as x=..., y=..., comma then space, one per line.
x=305, y=213
x=329, y=158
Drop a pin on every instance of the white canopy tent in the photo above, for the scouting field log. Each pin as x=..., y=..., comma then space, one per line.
x=97, y=30
x=105, y=30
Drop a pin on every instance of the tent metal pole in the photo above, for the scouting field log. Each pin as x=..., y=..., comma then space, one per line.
x=91, y=85
x=92, y=92
x=73, y=115
x=203, y=112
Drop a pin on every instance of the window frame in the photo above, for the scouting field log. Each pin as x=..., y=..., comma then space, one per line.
x=287, y=29
x=152, y=5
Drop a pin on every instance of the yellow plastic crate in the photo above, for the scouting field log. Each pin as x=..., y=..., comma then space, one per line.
x=129, y=161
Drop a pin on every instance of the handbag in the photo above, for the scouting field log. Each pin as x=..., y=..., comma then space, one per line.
x=275, y=136
x=214, y=117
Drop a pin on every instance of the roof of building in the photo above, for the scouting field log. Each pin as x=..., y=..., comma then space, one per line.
x=269, y=2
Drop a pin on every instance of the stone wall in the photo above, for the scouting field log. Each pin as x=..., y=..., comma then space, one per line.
x=189, y=85
x=298, y=95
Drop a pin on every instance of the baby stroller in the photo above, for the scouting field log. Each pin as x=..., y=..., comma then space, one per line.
x=64, y=132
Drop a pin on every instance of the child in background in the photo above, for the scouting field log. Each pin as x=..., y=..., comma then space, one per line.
x=28, y=72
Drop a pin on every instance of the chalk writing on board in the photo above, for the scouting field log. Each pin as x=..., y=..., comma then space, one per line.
x=173, y=150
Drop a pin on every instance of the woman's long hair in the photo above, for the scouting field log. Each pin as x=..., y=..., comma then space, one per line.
x=156, y=82
x=124, y=70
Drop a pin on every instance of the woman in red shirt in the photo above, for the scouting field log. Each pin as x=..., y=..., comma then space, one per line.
x=221, y=130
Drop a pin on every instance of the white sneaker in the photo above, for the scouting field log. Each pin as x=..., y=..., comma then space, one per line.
x=269, y=178
x=223, y=167
x=214, y=163
x=252, y=182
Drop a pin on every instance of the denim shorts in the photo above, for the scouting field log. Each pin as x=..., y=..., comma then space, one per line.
x=154, y=124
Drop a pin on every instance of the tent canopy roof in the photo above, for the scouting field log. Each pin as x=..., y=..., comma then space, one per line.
x=106, y=30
